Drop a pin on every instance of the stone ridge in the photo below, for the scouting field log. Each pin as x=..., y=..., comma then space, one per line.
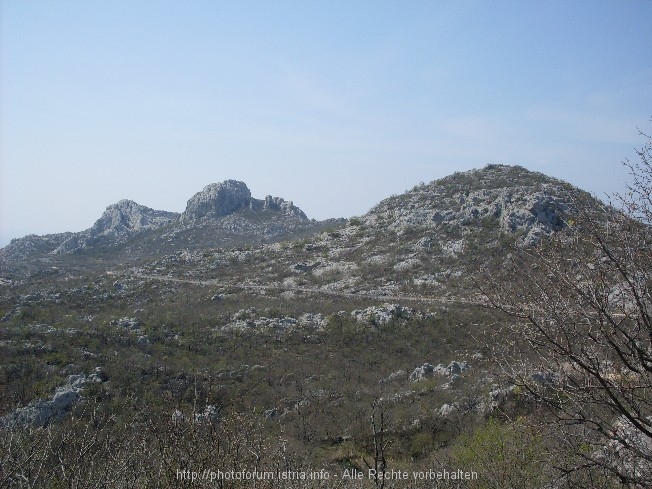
x=520, y=201
x=219, y=213
x=223, y=199
x=118, y=223
x=217, y=200
x=126, y=217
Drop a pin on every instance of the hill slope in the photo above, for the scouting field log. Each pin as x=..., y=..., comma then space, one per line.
x=292, y=345
x=222, y=214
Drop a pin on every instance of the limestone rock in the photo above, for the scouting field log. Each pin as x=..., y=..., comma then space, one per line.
x=393, y=377
x=118, y=223
x=628, y=451
x=422, y=372
x=453, y=371
x=278, y=204
x=44, y=411
x=217, y=200
x=210, y=415
x=387, y=312
x=502, y=198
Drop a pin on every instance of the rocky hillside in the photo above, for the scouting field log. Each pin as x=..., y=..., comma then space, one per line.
x=243, y=313
x=223, y=199
x=119, y=222
x=222, y=214
x=510, y=199
x=427, y=241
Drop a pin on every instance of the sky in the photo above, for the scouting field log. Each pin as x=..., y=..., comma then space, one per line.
x=334, y=105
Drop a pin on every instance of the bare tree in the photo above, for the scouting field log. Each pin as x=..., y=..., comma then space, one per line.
x=580, y=334
x=379, y=464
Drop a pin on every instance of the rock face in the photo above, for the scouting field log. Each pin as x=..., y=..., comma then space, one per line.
x=509, y=198
x=127, y=217
x=217, y=200
x=223, y=199
x=446, y=222
x=118, y=223
x=221, y=215
x=278, y=204
x=427, y=370
x=44, y=411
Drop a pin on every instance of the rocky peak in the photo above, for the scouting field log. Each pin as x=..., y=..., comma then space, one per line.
x=127, y=217
x=280, y=205
x=217, y=200
x=223, y=199
x=515, y=199
x=119, y=222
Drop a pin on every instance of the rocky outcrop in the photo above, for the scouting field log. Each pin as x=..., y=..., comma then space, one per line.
x=21, y=248
x=428, y=370
x=217, y=200
x=250, y=321
x=220, y=215
x=44, y=411
x=223, y=199
x=279, y=205
x=508, y=199
x=127, y=217
x=387, y=312
x=118, y=223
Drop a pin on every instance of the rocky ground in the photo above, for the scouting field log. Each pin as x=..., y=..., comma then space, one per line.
x=240, y=305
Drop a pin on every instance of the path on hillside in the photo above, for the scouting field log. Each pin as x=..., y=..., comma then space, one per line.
x=317, y=291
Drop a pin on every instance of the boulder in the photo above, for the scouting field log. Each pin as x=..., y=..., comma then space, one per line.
x=422, y=372
x=44, y=411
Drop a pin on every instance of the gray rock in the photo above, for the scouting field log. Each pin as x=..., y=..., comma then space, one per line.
x=44, y=411
x=217, y=200
x=127, y=323
x=394, y=376
x=118, y=223
x=98, y=375
x=278, y=204
x=628, y=451
x=210, y=414
x=546, y=379
x=270, y=414
x=77, y=381
x=387, y=312
x=507, y=199
x=457, y=367
x=499, y=396
x=421, y=373
x=448, y=409
x=64, y=398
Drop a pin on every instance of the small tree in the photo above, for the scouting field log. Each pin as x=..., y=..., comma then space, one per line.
x=581, y=304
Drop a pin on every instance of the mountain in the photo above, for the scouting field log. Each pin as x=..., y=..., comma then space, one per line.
x=118, y=223
x=427, y=241
x=222, y=214
x=222, y=199
x=240, y=319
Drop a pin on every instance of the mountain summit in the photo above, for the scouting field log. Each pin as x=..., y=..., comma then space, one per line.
x=118, y=223
x=508, y=199
x=222, y=199
x=222, y=214
x=444, y=219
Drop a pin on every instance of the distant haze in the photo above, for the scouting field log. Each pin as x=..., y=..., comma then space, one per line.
x=332, y=105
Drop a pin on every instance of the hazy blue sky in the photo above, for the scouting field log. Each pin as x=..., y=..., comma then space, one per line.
x=332, y=104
